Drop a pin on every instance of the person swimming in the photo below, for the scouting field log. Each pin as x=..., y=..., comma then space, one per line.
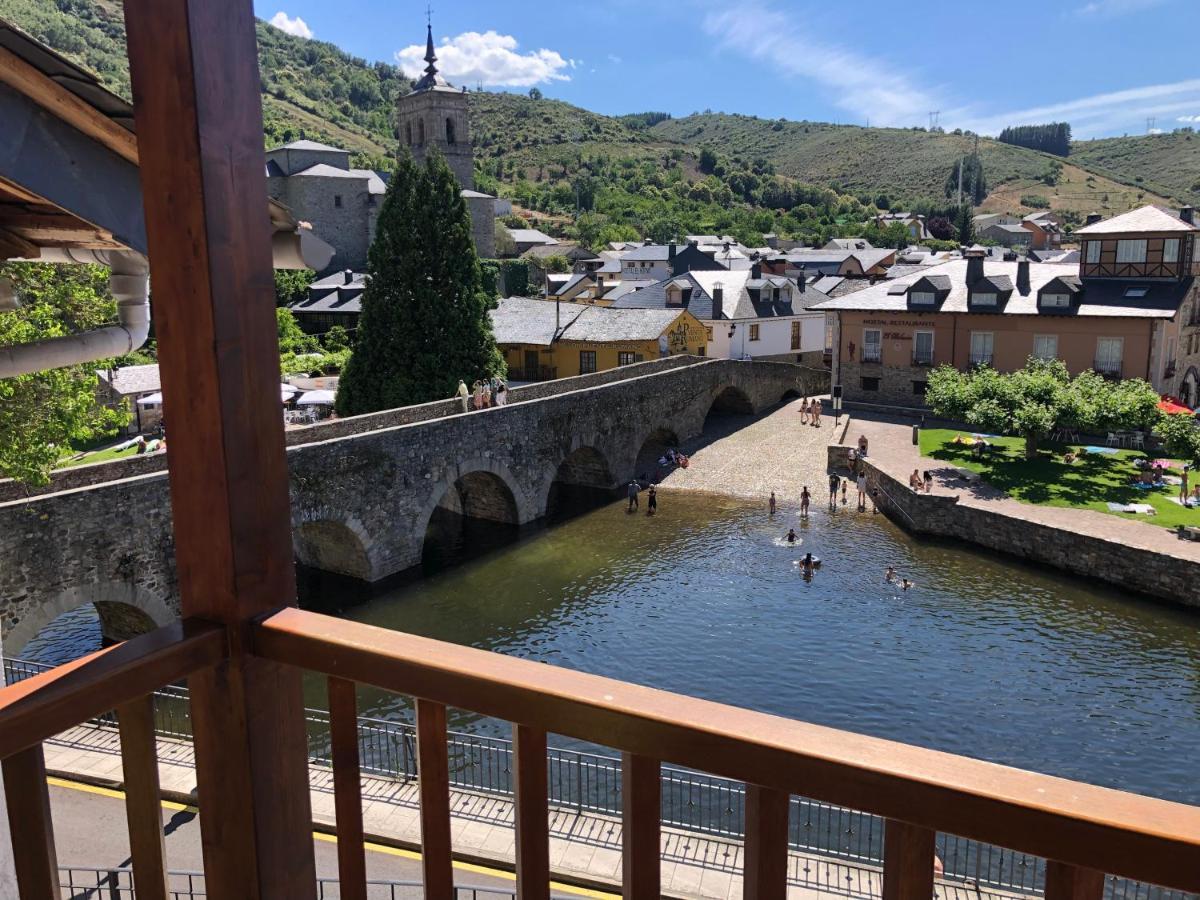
x=905, y=584
x=808, y=564
x=890, y=574
x=791, y=536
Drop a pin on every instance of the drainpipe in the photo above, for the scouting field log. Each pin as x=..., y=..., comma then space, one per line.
x=130, y=286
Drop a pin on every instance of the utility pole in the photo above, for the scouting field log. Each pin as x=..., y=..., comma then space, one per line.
x=933, y=118
x=960, y=165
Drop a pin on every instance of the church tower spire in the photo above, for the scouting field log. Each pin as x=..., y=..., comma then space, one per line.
x=430, y=56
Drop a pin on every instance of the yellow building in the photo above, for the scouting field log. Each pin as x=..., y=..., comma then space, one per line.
x=542, y=340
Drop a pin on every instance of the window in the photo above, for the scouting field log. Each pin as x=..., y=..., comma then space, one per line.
x=1093, y=251
x=922, y=298
x=754, y=332
x=1109, y=351
x=919, y=388
x=870, y=384
x=408, y=133
x=587, y=362
x=337, y=201
x=795, y=335
x=983, y=299
x=872, y=344
x=420, y=131
x=449, y=131
x=1056, y=301
x=1045, y=346
x=1131, y=251
x=923, y=348
x=624, y=358
x=1171, y=250
x=1136, y=293
x=981, y=348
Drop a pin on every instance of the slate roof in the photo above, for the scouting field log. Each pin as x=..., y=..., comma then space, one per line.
x=308, y=145
x=1007, y=228
x=1099, y=297
x=1147, y=218
x=530, y=236
x=375, y=184
x=517, y=320
x=621, y=288
x=738, y=302
x=848, y=244
x=648, y=253
x=130, y=380
x=332, y=294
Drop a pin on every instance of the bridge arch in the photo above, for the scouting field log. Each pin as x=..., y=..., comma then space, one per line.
x=125, y=610
x=586, y=469
x=333, y=542
x=477, y=491
x=729, y=399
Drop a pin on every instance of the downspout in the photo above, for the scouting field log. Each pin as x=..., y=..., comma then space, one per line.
x=130, y=287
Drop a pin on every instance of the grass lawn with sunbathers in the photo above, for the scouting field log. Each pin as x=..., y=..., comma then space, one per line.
x=106, y=454
x=1092, y=481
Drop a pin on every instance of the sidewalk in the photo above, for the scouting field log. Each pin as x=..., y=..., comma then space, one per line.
x=585, y=848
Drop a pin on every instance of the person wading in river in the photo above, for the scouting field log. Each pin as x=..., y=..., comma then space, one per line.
x=632, y=494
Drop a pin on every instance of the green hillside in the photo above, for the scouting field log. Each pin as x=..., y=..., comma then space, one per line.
x=1166, y=164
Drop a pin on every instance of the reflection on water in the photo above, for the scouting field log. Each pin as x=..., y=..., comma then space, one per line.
x=68, y=637
x=982, y=657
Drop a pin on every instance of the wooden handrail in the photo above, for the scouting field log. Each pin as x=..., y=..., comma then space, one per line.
x=1077, y=824
x=50, y=702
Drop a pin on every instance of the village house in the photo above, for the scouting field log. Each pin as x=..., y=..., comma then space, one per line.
x=133, y=388
x=913, y=223
x=525, y=239
x=653, y=262
x=333, y=300
x=1118, y=312
x=1005, y=234
x=542, y=341
x=1045, y=228
x=748, y=314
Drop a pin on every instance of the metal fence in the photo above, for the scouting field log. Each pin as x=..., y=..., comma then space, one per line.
x=691, y=801
x=117, y=884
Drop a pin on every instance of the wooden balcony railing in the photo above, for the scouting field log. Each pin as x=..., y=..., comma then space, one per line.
x=1083, y=831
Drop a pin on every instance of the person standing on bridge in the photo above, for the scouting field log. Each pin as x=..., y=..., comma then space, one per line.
x=501, y=397
x=463, y=394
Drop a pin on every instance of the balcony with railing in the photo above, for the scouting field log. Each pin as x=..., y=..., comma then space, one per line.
x=979, y=359
x=922, y=358
x=871, y=354
x=243, y=649
x=1109, y=368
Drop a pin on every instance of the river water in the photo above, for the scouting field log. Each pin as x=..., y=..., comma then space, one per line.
x=982, y=656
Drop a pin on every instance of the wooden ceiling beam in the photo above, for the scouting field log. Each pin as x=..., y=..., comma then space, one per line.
x=52, y=96
x=13, y=246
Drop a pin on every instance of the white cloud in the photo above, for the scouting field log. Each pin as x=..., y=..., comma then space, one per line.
x=1099, y=114
x=1110, y=9
x=489, y=58
x=1154, y=131
x=1188, y=118
x=296, y=26
x=860, y=84
x=614, y=59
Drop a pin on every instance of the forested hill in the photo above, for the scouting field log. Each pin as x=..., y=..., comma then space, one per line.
x=314, y=89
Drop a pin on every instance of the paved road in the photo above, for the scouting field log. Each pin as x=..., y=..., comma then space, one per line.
x=90, y=832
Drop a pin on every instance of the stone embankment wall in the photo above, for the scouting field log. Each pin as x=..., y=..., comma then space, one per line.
x=1160, y=575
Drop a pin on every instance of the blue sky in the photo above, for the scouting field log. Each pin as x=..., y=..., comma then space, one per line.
x=1106, y=66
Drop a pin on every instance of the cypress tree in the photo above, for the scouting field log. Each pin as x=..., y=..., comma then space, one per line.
x=424, y=322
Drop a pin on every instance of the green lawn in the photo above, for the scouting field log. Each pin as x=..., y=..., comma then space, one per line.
x=98, y=456
x=1091, y=482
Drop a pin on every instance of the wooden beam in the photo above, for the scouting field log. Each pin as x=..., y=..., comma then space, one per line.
x=907, y=861
x=143, y=805
x=194, y=72
x=347, y=789
x=37, y=708
x=433, y=778
x=1065, y=882
x=641, y=850
x=532, y=814
x=13, y=246
x=766, y=866
x=1137, y=837
x=52, y=96
x=30, y=825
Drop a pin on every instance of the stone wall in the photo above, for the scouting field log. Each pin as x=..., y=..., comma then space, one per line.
x=1159, y=575
x=895, y=383
x=361, y=502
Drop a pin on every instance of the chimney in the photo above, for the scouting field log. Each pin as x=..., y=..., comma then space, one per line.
x=974, y=266
x=1093, y=218
x=648, y=242
x=349, y=276
x=718, y=298
x=670, y=251
x=1188, y=214
x=756, y=271
x=1023, y=276
x=802, y=280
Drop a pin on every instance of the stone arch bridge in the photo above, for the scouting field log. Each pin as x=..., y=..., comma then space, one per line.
x=361, y=502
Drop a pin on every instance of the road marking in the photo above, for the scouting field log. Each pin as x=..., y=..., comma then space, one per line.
x=114, y=794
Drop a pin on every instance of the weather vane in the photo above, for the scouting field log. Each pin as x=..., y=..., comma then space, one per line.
x=428, y=14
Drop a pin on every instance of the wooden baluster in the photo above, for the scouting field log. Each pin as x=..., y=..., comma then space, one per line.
x=433, y=778
x=641, y=801
x=347, y=789
x=1065, y=882
x=908, y=860
x=766, y=866
x=532, y=813
x=30, y=824
x=143, y=805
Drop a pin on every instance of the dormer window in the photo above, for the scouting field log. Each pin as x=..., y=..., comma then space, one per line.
x=986, y=299
x=1056, y=301
x=922, y=298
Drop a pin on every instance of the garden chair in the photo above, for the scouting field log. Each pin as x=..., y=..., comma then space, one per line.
x=1137, y=440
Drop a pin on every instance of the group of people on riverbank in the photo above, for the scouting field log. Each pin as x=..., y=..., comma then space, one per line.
x=483, y=394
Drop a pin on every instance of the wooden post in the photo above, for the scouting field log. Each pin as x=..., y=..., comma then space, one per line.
x=143, y=805
x=532, y=813
x=433, y=780
x=194, y=72
x=908, y=852
x=641, y=801
x=1064, y=882
x=765, y=875
x=32, y=829
x=347, y=789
